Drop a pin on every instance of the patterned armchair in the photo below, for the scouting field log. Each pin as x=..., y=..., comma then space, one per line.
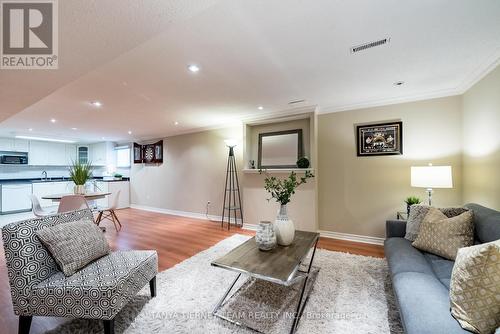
x=98, y=291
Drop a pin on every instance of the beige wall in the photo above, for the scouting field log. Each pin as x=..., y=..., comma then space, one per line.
x=354, y=194
x=193, y=172
x=481, y=161
x=357, y=194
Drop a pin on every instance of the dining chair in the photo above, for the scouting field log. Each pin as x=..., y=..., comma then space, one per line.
x=72, y=203
x=109, y=213
x=37, y=208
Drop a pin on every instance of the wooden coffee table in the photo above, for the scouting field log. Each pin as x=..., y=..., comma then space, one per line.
x=280, y=265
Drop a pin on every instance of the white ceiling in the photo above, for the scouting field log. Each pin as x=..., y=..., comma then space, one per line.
x=133, y=59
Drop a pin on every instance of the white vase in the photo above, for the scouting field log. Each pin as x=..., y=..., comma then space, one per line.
x=79, y=189
x=284, y=228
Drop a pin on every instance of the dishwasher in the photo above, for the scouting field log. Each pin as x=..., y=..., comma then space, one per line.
x=15, y=197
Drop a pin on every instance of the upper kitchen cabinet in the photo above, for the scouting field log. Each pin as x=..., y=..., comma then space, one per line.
x=101, y=154
x=83, y=154
x=43, y=153
x=38, y=153
x=14, y=145
x=57, y=154
x=70, y=154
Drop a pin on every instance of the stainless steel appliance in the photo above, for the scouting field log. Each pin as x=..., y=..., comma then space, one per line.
x=13, y=158
x=15, y=197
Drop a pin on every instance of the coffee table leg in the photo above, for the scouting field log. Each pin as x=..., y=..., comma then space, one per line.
x=301, y=307
x=225, y=294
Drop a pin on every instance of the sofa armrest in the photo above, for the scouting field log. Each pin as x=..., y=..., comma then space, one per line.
x=395, y=228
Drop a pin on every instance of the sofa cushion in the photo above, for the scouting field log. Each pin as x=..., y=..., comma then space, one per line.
x=444, y=236
x=424, y=304
x=486, y=223
x=99, y=290
x=475, y=288
x=441, y=267
x=74, y=245
x=403, y=257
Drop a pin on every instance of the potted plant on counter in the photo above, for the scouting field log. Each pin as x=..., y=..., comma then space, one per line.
x=80, y=173
x=282, y=190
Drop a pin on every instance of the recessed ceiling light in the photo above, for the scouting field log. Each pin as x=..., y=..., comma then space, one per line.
x=53, y=120
x=260, y=107
x=176, y=123
x=193, y=68
x=96, y=103
x=103, y=138
x=129, y=132
x=399, y=83
x=30, y=129
x=74, y=129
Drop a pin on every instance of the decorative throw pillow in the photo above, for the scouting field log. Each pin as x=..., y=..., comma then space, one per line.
x=443, y=236
x=417, y=214
x=475, y=288
x=75, y=244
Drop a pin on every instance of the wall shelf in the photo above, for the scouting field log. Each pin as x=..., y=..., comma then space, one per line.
x=277, y=171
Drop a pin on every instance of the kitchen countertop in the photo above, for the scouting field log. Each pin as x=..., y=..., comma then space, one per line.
x=55, y=179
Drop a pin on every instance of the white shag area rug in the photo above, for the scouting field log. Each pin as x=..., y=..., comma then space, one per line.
x=351, y=294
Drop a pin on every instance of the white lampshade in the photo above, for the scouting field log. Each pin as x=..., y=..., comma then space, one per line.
x=231, y=142
x=431, y=177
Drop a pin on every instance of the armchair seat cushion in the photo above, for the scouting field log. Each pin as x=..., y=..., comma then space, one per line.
x=99, y=290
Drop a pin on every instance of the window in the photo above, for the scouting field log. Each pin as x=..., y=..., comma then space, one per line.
x=122, y=156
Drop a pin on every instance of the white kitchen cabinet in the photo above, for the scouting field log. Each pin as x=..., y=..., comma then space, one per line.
x=15, y=197
x=21, y=145
x=56, y=154
x=6, y=144
x=83, y=154
x=38, y=153
x=98, y=154
x=70, y=154
x=42, y=153
x=41, y=189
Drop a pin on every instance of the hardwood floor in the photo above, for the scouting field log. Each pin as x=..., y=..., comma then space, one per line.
x=175, y=239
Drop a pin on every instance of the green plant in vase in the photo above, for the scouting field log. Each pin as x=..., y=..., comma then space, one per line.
x=282, y=190
x=80, y=173
x=411, y=200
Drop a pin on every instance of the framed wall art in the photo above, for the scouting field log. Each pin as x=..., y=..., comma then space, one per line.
x=379, y=139
x=280, y=149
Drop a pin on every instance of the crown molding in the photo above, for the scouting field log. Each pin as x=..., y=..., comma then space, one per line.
x=390, y=101
x=480, y=72
x=474, y=77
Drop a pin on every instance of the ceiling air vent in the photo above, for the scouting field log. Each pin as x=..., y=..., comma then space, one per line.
x=296, y=101
x=365, y=46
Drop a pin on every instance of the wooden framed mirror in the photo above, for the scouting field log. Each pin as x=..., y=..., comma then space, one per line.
x=280, y=149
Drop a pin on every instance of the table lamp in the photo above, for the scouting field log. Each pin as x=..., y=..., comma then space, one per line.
x=430, y=177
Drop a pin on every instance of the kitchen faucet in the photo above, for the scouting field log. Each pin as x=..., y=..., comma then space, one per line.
x=44, y=175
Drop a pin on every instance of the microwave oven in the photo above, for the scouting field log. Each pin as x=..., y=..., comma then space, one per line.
x=14, y=159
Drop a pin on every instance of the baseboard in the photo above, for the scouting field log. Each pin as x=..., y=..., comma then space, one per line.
x=253, y=227
x=179, y=213
x=352, y=237
x=336, y=235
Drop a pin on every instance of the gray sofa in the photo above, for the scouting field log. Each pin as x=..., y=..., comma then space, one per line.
x=421, y=281
x=98, y=291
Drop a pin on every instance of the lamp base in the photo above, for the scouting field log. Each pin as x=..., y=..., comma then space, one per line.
x=429, y=193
